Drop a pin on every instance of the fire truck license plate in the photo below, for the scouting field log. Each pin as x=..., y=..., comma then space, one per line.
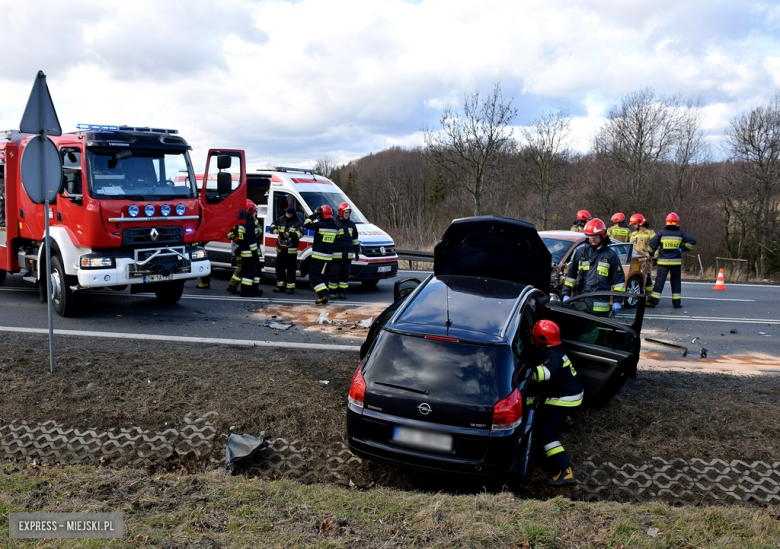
x=385, y=269
x=157, y=278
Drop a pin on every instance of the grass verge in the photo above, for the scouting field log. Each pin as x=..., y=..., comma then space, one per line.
x=213, y=510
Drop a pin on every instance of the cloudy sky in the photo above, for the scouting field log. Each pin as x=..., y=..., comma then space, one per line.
x=294, y=81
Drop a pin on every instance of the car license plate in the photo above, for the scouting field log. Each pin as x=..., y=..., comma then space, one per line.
x=385, y=269
x=422, y=439
x=157, y=278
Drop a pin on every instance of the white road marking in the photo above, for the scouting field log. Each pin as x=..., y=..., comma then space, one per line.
x=716, y=319
x=181, y=339
x=711, y=298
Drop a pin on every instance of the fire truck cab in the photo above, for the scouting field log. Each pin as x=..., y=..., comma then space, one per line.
x=128, y=213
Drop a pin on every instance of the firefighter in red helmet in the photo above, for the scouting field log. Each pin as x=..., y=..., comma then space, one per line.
x=324, y=227
x=670, y=243
x=640, y=237
x=595, y=267
x=619, y=231
x=248, y=246
x=583, y=216
x=561, y=392
x=344, y=250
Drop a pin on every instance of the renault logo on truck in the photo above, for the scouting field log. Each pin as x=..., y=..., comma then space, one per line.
x=154, y=234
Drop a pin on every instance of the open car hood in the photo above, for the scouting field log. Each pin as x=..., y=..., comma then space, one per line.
x=494, y=247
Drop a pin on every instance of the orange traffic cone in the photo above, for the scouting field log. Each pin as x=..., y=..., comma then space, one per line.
x=720, y=284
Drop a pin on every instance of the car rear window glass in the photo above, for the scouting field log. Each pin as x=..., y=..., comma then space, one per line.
x=557, y=248
x=449, y=371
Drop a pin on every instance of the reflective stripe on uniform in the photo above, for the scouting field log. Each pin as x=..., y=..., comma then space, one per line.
x=290, y=286
x=570, y=401
x=655, y=295
x=541, y=373
x=601, y=306
x=671, y=242
x=553, y=448
x=676, y=296
x=247, y=281
x=343, y=285
x=320, y=287
x=321, y=256
x=567, y=364
x=619, y=288
x=569, y=282
x=246, y=253
x=669, y=261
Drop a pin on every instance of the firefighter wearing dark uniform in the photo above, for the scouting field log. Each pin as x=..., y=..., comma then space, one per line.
x=583, y=216
x=595, y=268
x=670, y=243
x=250, y=254
x=322, y=252
x=289, y=228
x=235, y=280
x=619, y=231
x=344, y=249
x=640, y=237
x=561, y=391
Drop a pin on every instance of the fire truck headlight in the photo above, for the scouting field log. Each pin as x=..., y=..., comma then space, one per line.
x=133, y=210
x=165, y=209
x=180, y=209
x=149, y=210
x=96, y=262
x=198, y=253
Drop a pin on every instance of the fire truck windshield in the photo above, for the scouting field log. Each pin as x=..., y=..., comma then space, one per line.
x=139, y=174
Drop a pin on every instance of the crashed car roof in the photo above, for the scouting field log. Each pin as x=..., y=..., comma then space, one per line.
x=493, y=247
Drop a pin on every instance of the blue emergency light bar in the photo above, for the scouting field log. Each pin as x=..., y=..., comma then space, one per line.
x=100, y=128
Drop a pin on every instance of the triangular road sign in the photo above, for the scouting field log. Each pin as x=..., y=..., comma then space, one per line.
x=39, y=115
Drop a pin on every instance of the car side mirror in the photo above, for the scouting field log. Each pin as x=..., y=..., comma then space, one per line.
x=403, y=288
x=224, y=161
x=224, y=182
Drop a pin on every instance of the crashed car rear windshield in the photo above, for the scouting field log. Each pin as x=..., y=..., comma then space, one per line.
x=447, y=371
x=558, y=248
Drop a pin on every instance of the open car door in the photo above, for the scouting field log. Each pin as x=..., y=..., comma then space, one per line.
x=222, y=193
x=604, y=348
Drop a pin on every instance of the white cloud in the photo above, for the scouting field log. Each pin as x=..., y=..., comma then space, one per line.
x=292, y=82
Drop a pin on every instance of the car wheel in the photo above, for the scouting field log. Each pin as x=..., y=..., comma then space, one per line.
x=370, y=283
x=633, y=286
x=63, y=299
x=169, y=293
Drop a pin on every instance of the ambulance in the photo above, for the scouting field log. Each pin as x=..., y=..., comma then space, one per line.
x=274, y=190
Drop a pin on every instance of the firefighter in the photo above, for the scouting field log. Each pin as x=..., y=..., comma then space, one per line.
x=250, y=254
x=235, y=280
x=670, y=243
x=288, y=227
x=619, y=231
x=595, y=268
x=343, y=251
x=583, y=216
x=562, y=391
x=324, y=227
x=640, y=237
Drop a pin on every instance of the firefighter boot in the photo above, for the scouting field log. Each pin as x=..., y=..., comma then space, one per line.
x=204, y=285
x=279, y=288
x=256, y=291
x=564, y=476
x=322, y=300
x=290, y=290
x=232, y=289
x=342, y=296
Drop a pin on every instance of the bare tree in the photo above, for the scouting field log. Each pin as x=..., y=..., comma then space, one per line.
x=639, y=134
x=325, y=166
x=754, y=141
x=470, y=143
x=546, y=152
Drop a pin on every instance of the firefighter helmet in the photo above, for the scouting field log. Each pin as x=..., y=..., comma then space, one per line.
x=546, y=333
x=637, y=219
x=251, y=207
x=672, y=219
x=327, y=211
x=595, y=227
x=618, y=218
x=343, y=207
x=583, y=215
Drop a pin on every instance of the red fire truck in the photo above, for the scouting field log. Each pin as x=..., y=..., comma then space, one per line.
x=125, y=216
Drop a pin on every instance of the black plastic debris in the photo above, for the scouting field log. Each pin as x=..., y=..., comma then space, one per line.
x=733, y=332
x=277, y=324
x=242, y=448
x=666, y=344
x=703, y=352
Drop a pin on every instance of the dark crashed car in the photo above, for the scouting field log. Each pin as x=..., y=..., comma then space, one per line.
x=444, y=383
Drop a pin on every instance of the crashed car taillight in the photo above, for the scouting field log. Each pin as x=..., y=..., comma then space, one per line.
x=357, y=389
x=508, y=412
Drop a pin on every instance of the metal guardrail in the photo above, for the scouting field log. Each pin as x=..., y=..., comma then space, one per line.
x=414, y=255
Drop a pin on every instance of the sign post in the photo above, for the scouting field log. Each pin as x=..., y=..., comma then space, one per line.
x=41, y=169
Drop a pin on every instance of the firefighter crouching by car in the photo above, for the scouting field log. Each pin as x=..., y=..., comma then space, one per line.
x=670, y=243
x=288, y=227
x=250, y=253
x=619, y=231
x=325, y=230
x=562, y=392
x=595, y=268
x=583, y=216
x=640, y=237
x=344, y=249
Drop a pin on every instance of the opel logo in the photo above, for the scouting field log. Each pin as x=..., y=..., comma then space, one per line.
x=154, y=234
x=382, y=250
x=424, y=408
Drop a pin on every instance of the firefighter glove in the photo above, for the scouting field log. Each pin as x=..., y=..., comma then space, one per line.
x=566, y=298
x=616, y=307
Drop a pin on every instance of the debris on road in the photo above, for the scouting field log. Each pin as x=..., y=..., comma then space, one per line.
x=242, y=448
x=666, y=344
x=324, y=382
x=366, y=323
x=733, y=332
x=703, y=353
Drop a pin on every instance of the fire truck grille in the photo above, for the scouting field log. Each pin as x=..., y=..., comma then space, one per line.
x=152, y=236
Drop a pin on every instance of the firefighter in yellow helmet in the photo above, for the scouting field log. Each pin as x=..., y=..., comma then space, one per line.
x=619, y=231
